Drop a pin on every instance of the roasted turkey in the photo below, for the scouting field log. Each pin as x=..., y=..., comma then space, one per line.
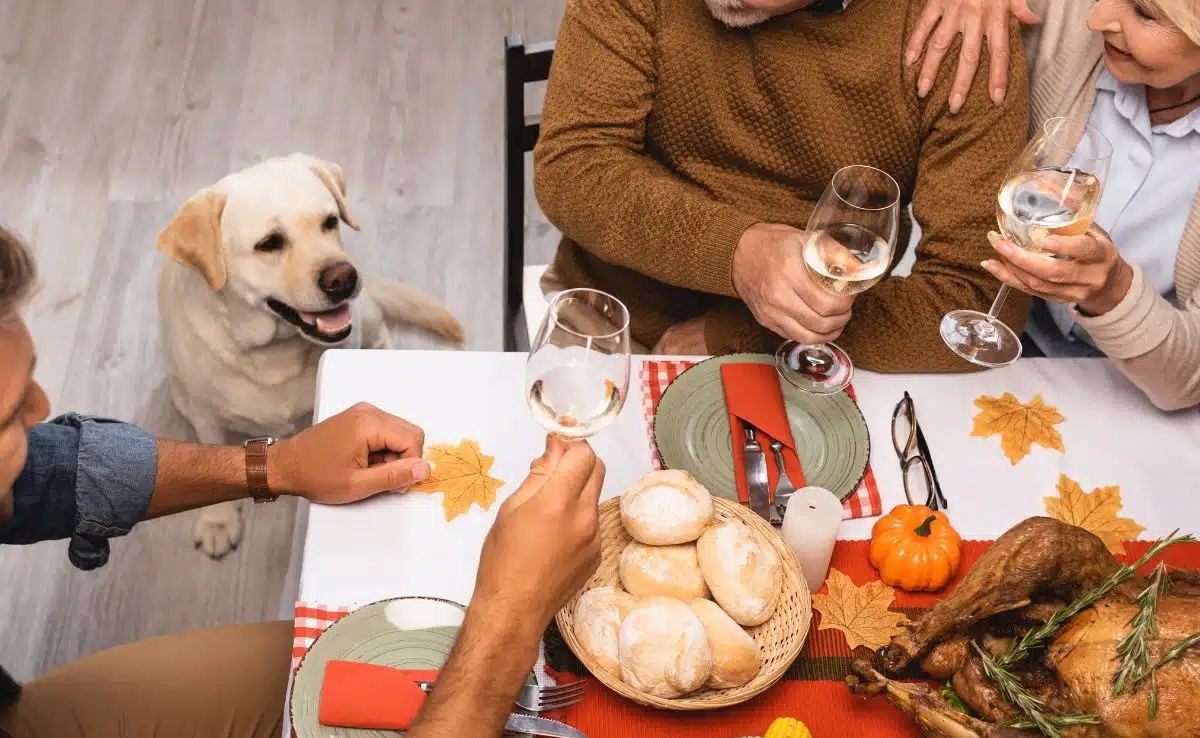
x=1031, y=571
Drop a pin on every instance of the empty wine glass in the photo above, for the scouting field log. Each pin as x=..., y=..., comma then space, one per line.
x=1052, y=189
x=851, y=239
x=577, y=373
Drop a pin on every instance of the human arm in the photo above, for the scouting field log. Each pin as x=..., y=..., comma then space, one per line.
x=90, y=479
x=593, y=176
x=940, y=24
x=1155, y=344
x=525, y=577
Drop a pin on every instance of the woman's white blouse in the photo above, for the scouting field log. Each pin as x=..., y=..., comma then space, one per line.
x=1147, y=199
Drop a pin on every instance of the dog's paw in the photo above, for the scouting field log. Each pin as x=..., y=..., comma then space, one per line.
x=218, y=531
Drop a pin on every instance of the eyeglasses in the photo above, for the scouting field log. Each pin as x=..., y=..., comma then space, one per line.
x=916, y=463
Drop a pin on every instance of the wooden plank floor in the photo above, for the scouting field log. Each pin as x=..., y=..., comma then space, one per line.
x=112, y=112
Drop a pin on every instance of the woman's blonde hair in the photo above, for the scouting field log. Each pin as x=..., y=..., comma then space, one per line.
x=18, y=275
x=1185, y=14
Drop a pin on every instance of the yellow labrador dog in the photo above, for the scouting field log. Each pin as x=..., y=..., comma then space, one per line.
x=258, y=287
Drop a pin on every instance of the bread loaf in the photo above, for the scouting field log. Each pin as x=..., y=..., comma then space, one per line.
x=597, y=621
x=666, y=507
x=662, y=571
x=744, y=575
x=663, y=648
x=736, y=656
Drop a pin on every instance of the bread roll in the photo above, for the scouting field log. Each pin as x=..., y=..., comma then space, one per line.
x=598, y=616
x=665, y=508
x=745, y=576
x=664, y=650
x=735, y=654
x=662, y=571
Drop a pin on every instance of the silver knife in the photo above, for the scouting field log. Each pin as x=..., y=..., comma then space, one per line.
x=540, y=726
x=756, y=475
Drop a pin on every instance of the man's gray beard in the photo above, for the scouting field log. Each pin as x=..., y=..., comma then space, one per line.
x=732, y=13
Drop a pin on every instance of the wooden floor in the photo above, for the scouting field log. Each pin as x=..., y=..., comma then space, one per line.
x=112, y=112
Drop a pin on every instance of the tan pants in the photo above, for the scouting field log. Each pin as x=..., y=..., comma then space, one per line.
x=224, y=682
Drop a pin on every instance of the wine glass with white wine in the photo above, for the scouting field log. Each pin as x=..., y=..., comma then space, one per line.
x=1052, y=189
x=851, y=237
x=577, y=373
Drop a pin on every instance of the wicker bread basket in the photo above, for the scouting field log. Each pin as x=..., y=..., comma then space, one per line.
x=780, y=638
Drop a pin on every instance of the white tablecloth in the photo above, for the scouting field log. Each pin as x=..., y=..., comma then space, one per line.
x=401, y=545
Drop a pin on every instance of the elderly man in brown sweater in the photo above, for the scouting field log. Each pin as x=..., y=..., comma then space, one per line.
x=685, y=142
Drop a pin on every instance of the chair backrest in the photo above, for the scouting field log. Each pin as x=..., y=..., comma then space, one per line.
x=522, y=65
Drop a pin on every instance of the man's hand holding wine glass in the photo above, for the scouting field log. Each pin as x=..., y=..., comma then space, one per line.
x=770, y=277
x=1089, y=271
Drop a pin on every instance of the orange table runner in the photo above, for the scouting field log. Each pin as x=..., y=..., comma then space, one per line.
x=812, y=690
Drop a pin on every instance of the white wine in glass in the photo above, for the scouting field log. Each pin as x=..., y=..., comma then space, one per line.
x=1052, y=189
x=577, y=374
x=849, y=247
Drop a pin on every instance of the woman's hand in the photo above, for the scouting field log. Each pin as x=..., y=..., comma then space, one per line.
x=1094, y=276
x=943, y=20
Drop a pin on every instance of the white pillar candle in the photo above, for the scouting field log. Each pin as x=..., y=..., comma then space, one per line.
x=810, y=528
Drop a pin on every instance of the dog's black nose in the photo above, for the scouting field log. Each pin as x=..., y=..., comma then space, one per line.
x=338, y=281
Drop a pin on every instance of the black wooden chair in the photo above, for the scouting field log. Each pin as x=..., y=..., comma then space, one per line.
x=522, y=65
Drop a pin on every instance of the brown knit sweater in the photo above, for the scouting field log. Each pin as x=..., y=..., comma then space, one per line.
x=666, y=134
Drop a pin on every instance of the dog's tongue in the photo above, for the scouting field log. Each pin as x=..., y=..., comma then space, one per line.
x=332, y=322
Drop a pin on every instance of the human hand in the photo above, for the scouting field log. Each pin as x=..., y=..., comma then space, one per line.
x=1094, y=276
x=770, y=277
x=545, y=542
x=353, y=455
x=974, y=19
x=683, y=339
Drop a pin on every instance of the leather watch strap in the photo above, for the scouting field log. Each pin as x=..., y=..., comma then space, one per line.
x=256, y=469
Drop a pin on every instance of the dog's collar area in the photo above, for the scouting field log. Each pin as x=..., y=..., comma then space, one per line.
x=336, y=320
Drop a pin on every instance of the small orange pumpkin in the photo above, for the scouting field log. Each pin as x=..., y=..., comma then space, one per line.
x=915, y=548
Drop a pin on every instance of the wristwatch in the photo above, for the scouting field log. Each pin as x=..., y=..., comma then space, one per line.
x=256, y=469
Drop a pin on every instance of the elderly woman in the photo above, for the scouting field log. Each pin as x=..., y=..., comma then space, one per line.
x=1131, y=289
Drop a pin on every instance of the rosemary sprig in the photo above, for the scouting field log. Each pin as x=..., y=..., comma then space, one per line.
x=1173, y=653
x=1134, y=649
x=1059, y=721
x=1033, y=708
x=1039, y=637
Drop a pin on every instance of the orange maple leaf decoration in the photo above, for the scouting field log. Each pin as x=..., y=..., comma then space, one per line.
x=1020, y=425
x=1095, y=511
x=460, y=473
x=861, y=613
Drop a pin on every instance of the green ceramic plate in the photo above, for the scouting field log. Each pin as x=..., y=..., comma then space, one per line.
x=691, y=431
x=371, y=634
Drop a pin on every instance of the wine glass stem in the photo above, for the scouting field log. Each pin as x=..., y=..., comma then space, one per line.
x=997, y=303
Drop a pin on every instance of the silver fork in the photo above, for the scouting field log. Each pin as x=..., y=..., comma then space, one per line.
x=539, y=699
x=784, y=488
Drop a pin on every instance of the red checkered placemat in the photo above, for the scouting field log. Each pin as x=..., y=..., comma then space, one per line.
x=657, y=375
x=311, y=621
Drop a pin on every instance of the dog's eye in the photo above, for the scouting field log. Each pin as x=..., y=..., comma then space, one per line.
x=270, y=244
x=330, y=223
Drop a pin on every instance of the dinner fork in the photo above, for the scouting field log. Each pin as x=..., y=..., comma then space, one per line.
x=539, y=699
x=784, y=487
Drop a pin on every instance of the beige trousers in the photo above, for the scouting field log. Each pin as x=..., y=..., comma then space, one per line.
x=219, y=683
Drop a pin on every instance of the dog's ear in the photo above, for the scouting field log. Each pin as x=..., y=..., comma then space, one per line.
x=193, y=238
x=334, y=180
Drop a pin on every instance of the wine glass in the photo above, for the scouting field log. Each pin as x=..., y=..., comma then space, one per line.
x=577, y=373
x=851, y=237
x=1052, y=189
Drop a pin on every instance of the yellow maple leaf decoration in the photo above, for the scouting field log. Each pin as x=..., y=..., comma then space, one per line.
x=1095, y=511
x=460, y=473
x=861, y=613
x=1020, y=425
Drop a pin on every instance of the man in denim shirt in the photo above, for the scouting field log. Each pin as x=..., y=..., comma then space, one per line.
x=88, y=480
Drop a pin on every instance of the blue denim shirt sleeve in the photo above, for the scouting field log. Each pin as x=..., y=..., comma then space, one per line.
x=87, y=479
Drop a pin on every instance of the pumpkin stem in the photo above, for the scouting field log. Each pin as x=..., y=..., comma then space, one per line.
x=923, y=529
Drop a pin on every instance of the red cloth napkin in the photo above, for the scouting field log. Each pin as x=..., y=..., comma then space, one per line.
x=752, y=394
x=369, y=696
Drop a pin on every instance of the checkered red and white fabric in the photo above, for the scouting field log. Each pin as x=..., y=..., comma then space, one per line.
x=311, y=621
x=657, y=376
